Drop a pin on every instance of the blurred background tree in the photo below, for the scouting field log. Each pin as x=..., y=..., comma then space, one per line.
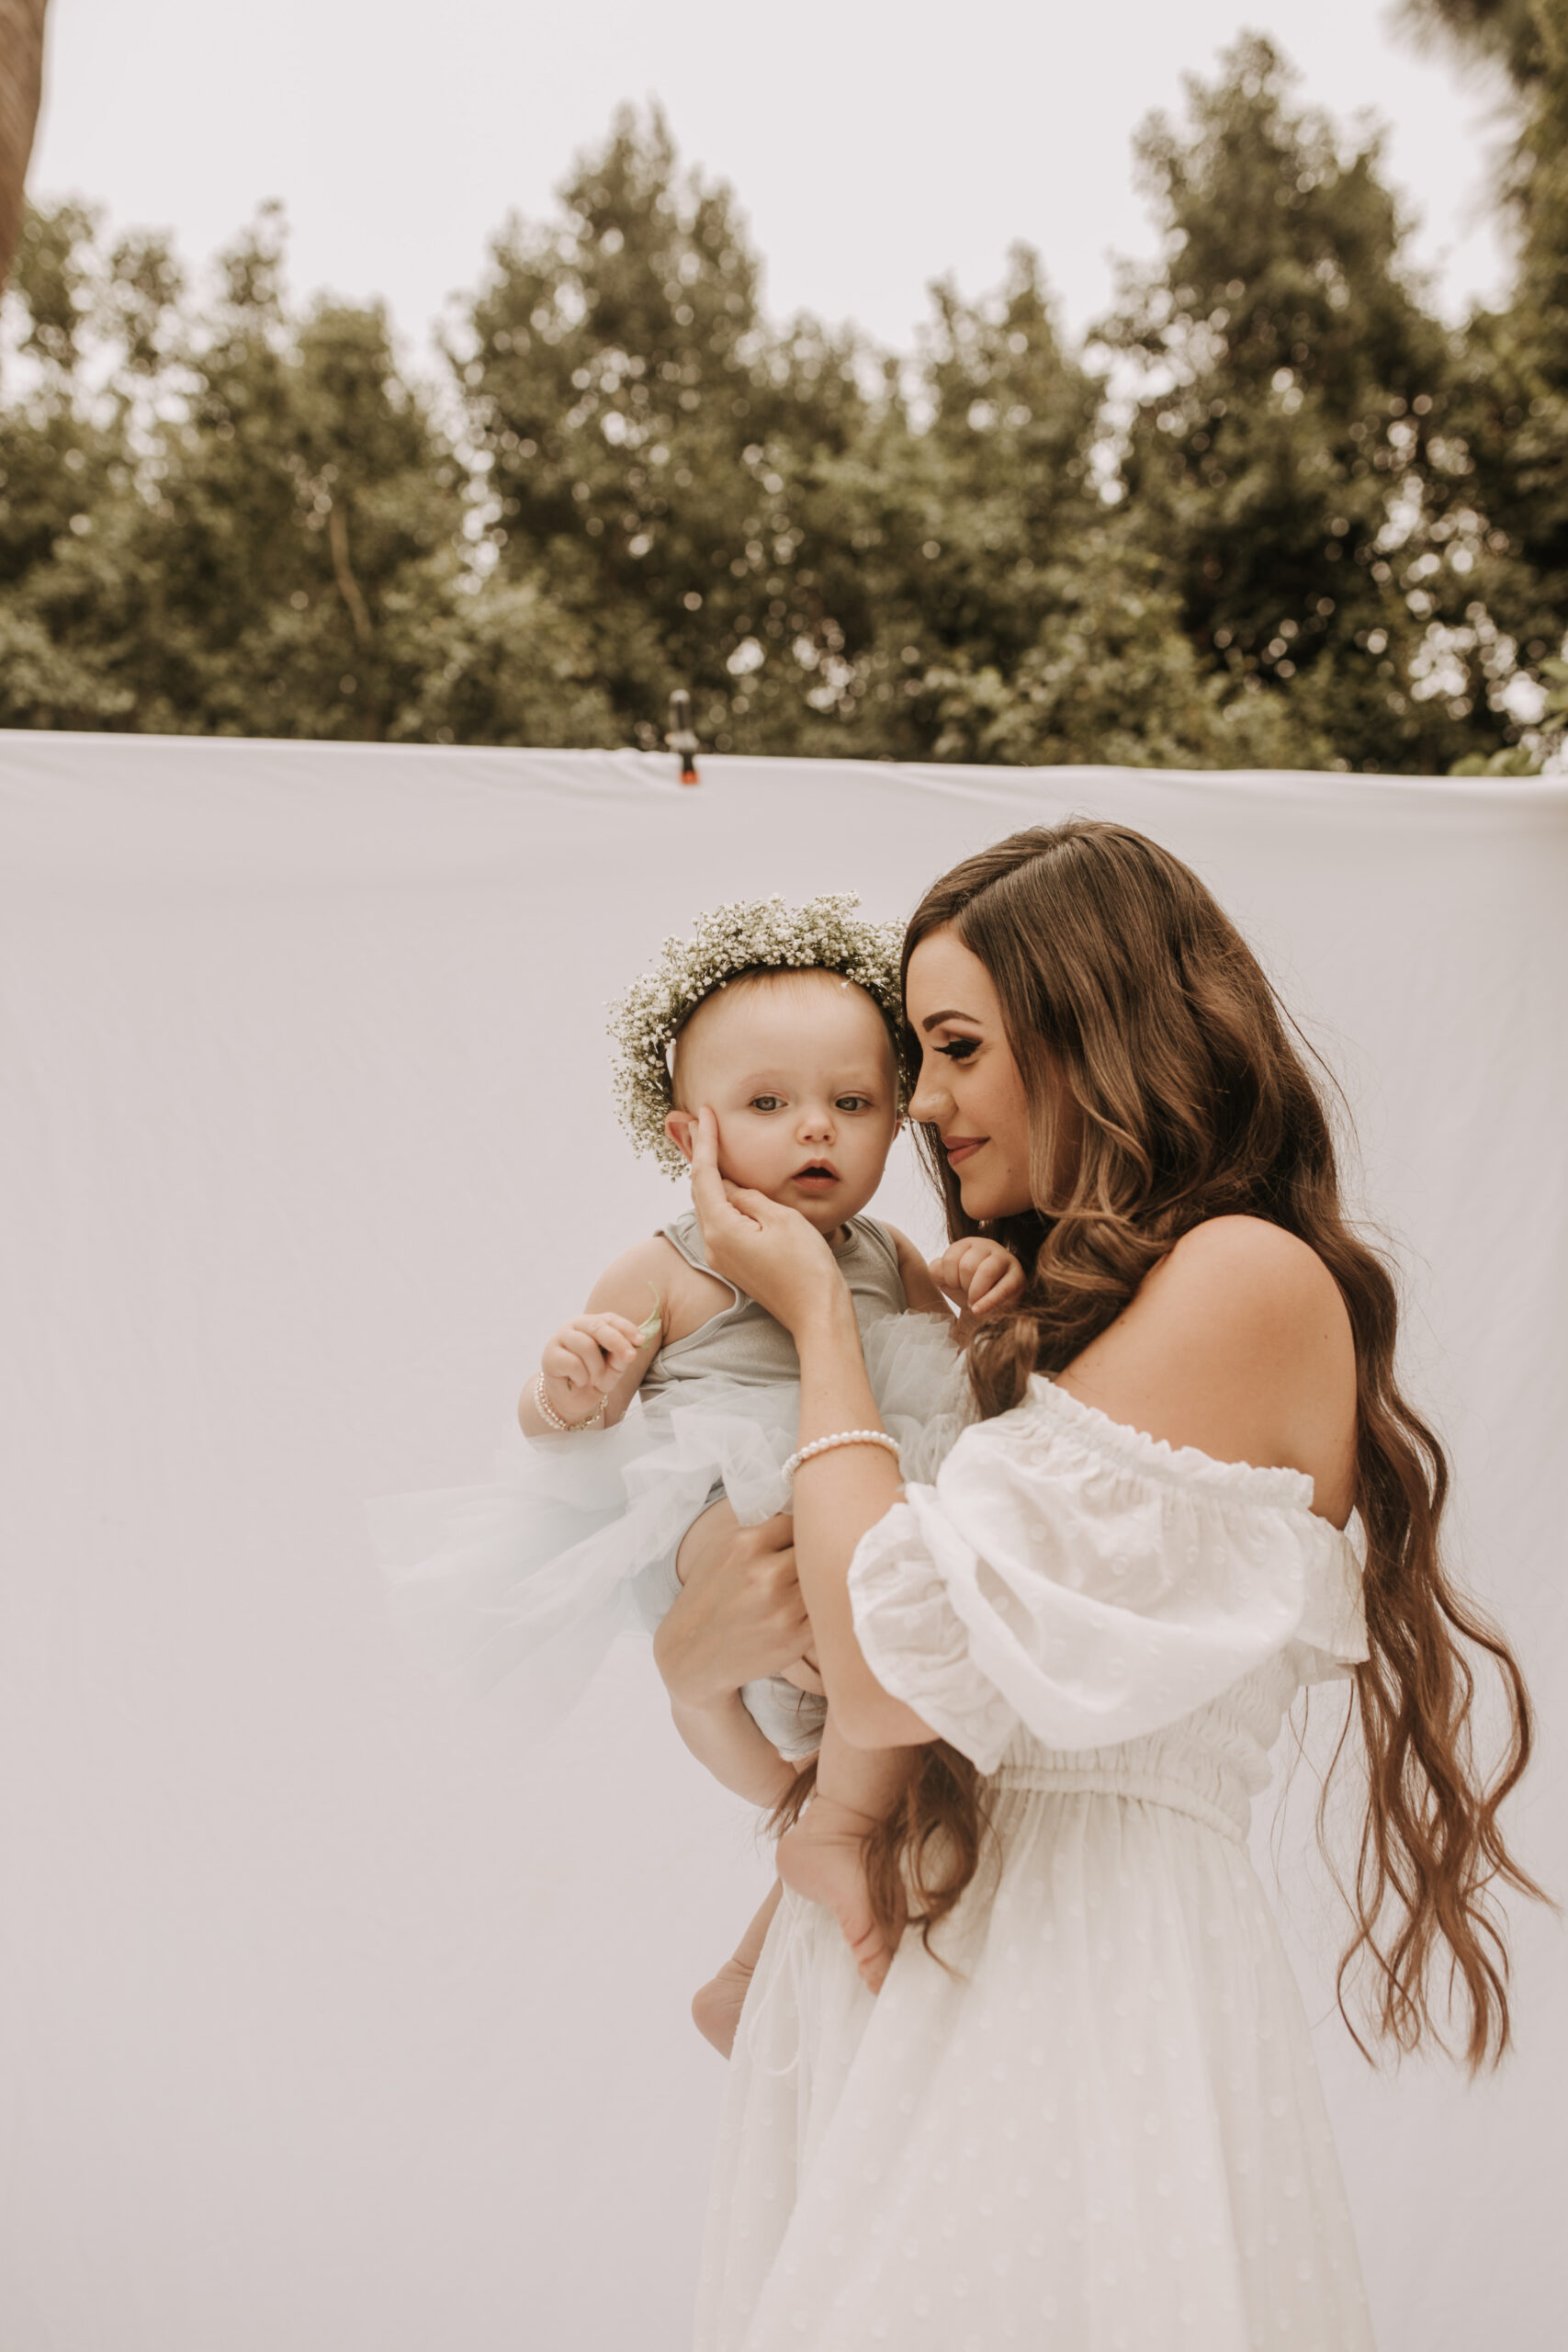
x=1274, y=513
x=1511, y=382
x=1291, y=463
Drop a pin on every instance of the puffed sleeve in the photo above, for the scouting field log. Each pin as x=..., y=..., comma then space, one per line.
x=1073, y=1576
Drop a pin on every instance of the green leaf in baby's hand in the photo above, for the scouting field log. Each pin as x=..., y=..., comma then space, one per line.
x=648, y=1328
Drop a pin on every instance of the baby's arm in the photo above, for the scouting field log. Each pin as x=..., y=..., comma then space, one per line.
x=922, y=1295
x=981, y=1277
x=600, y=1355
x=977, y=1275
x=740, y=1616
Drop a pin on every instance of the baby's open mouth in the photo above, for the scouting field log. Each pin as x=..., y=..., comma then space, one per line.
x=817, y=1171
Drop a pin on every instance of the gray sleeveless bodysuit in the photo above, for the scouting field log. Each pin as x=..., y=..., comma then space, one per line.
x=743, y=1343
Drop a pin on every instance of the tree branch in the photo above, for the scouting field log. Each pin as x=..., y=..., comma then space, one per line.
x=348, y=587
x=21, y=86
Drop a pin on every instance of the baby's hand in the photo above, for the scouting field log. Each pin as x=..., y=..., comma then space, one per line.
x=979, y=1276
x=585, y=1358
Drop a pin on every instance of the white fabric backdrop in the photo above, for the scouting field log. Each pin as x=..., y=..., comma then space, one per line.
x=332, y=2010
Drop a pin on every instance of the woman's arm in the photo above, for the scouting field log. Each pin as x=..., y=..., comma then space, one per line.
x=921, y=1295
x=838, y=1496
x=782, y=1262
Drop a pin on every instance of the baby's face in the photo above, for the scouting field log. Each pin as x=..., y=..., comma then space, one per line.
x=798, y=1071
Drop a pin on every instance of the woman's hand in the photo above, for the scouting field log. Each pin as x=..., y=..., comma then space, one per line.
x=979, y=1276
x=738, y=1615
x=769, y=1251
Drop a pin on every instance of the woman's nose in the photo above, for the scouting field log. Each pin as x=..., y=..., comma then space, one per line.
x=929, y=1103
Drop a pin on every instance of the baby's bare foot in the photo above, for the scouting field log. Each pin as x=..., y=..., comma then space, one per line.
x=716, y=2005
x=820, y=1857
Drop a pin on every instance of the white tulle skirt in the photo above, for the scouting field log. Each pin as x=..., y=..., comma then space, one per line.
x=531, y=1576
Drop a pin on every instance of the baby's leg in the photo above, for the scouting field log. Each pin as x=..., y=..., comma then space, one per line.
x=820, y=1857
x=716, y=2008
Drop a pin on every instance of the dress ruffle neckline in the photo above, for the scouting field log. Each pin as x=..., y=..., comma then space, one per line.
x=1136, y=1450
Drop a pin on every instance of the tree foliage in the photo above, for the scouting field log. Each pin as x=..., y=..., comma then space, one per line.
x=1294, y=463
x=1274, y=513
x=1511, y=382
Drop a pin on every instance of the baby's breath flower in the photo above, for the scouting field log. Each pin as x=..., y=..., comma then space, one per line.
x=753, y=934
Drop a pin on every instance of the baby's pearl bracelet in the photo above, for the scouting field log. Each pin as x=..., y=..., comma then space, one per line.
x=843, y=1437
x=548, y=1413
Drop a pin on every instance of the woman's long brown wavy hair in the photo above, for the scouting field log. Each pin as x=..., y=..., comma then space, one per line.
x=1121, y=978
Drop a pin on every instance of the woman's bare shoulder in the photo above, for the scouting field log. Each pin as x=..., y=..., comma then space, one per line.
x=1238, y=1343
x=1243, y=1269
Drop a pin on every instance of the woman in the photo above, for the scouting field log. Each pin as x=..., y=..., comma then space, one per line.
x=1084, y=2108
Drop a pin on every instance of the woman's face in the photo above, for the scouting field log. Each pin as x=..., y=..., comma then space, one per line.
x=970, y=1087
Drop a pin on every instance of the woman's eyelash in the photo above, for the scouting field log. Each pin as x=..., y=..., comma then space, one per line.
x=959, y=1049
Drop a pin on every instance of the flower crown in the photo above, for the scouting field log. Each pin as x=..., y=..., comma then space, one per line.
x=755, y=934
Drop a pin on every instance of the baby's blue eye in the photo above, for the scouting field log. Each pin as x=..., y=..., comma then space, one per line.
x=854, y=1102
x=767, y=1102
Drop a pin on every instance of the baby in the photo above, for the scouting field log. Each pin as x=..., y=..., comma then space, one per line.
x=799, y=1065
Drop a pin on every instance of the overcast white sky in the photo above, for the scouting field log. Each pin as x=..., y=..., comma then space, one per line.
x=874, y=144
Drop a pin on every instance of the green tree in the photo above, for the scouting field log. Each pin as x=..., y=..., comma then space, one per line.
x=1511, y=399
x=65, y=465
x=1306, y=525
x=833, y=553
x=244, y=523
x=1003, y=611
x=294, y=516
x=1509, y=32
x=648, y=442
x=1291, y=460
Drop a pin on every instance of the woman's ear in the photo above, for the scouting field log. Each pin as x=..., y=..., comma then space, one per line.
x=680, y=1126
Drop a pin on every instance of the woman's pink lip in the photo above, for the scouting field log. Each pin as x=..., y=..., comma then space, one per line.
x=959, y=1148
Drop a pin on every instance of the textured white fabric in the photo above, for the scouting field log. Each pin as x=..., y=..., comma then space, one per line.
x=1106, y=2128
x=1087, y=1581
x=321, y=2021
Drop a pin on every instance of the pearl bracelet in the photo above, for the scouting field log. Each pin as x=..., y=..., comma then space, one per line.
x=843, y=1437
x=548, y=1414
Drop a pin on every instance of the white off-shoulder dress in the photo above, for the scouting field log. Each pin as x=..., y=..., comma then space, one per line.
x=1106, y=2130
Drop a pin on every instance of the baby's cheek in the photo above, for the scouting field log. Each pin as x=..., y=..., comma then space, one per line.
x=748, y=1161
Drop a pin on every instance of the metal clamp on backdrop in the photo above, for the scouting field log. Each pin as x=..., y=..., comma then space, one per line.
x=682, y=737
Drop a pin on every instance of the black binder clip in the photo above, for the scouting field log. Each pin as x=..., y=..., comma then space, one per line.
x=680, y=737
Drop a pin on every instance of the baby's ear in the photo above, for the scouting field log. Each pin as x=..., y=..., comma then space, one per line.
x=680, y=1128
